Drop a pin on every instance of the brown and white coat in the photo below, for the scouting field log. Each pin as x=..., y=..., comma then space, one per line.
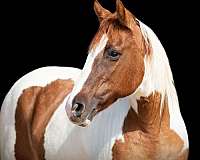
x=128, y=99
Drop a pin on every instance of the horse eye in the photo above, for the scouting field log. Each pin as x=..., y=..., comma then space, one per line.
x=112, y=54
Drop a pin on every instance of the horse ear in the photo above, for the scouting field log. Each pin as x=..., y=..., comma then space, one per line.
x=100, y=11
x=124, y=16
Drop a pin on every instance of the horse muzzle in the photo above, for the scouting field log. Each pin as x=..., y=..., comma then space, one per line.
x=80, y=112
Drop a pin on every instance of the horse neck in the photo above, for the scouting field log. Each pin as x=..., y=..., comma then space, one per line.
x=156, y=94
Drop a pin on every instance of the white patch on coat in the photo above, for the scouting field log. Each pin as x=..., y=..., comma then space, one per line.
x=64, y=140
x=86, y=70
x=158, y=77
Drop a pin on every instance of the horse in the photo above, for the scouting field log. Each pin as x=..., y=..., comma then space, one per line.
x=122, y=105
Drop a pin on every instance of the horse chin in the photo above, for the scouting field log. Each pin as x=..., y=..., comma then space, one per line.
x=82, y=122
x=89, y=118
x=85, y=123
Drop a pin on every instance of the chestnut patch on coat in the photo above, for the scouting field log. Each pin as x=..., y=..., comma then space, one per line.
x=148, y=135
x=35, y=108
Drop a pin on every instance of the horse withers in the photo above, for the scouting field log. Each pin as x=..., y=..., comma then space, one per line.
x=122, y=105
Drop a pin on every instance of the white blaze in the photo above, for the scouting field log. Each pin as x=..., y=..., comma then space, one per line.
x=87, y=69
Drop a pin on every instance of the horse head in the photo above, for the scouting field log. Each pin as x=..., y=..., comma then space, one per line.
x=114, y=67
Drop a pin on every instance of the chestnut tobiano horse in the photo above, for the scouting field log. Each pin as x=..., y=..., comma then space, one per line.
x=122, y=106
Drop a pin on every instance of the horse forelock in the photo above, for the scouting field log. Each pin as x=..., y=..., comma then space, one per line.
x=109, y=25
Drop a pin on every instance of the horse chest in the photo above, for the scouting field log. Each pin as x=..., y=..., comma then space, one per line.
x=138, y=145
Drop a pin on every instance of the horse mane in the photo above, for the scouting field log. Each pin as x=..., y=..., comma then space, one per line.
x=158, y=77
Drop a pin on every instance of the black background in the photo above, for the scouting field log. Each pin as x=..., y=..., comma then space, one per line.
x=39, y=34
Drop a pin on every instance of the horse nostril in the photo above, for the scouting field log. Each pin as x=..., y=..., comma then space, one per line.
x=78, y=109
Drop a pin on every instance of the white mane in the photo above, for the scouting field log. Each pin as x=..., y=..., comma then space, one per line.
x=158, y=77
